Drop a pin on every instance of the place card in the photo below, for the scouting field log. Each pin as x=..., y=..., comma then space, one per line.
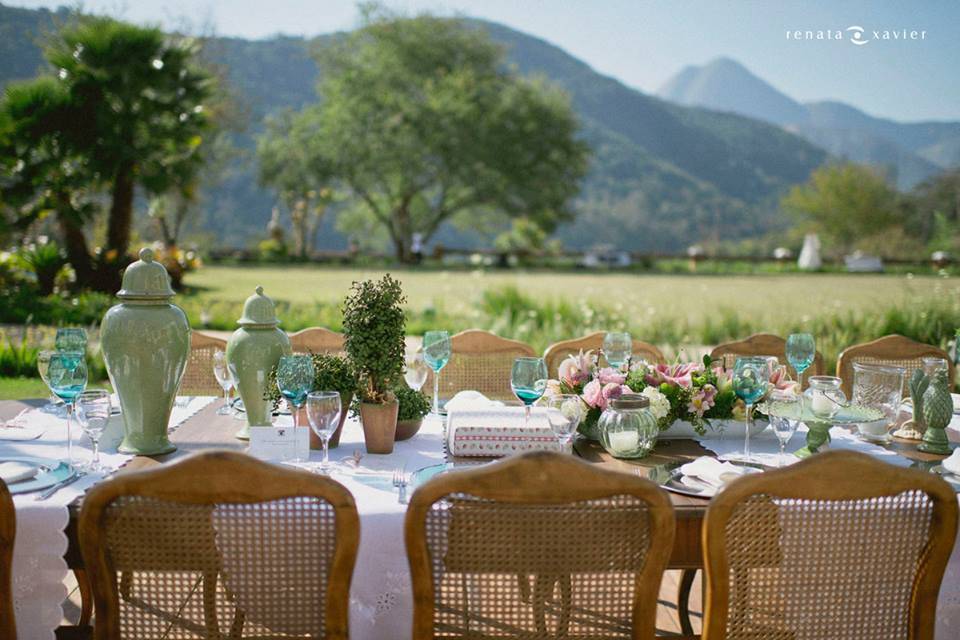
x=279, y=444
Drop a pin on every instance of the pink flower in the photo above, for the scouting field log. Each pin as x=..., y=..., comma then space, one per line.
x=703, y=400
x=780, y=380
x=599, y=395
x=609, y=375
x=676, y=374
x=575, y=369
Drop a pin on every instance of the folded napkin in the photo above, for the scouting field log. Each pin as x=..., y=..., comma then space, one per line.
x=499, y=431
x=952, y=464
x=465, y=400
x=16, y=471
x=21, y=428
x=712, y=472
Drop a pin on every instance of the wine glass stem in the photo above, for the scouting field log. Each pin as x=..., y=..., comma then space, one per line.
x=326, y=454
x=69, y=406
x=436, y=392
x=95, y=463
x=226, y=399
x=782, y=446
x=746, y=432
x=526, y=415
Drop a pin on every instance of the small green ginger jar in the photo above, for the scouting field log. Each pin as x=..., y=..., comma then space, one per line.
x=252, y=352
x=146, y=342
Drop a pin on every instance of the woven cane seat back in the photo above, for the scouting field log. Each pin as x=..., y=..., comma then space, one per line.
x=256, y=568
x=815, y=563
x=892, y=350
x=568, y=566
x=198, y=378
x=480, y=361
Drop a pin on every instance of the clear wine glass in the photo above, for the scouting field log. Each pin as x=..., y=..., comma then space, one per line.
x=617, y=348
x=786, y=420
x=750, y=377
x=528, y=381
x=221, y=371
x=564, y=412
x=43, y=368
x=93, y=413
x=323, y=412
x=294, y=381
x=414, y=369
x=68, y=379
x=436, y=353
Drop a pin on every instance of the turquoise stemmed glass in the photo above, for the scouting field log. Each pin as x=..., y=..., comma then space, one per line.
x=801, y=351
x=294, y=381
x=750, y=378
x=617, y=348
x=436, y=353
x=528, y=380
x=68, y=379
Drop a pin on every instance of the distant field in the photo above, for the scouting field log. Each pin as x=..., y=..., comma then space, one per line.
x=772, y=297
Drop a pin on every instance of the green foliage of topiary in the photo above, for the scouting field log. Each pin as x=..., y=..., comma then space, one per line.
x=374, y=326
x=413, y=404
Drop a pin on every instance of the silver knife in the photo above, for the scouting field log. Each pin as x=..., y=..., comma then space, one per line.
x=68, y=480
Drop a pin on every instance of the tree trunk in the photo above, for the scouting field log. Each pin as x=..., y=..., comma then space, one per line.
x=121, y=213
x=402, y=234
x=78, y=255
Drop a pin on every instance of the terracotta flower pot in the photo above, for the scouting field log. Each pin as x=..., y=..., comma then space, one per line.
x=345, y=400
x=406, y=429
x=379, y=425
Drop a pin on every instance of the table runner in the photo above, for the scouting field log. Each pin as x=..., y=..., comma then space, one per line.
x=765, y=446
x=38, y=565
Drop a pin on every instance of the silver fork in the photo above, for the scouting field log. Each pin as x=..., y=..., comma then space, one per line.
x=400, y=481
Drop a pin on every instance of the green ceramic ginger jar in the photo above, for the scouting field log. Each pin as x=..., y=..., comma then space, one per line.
x=252, y=352
x=146, y=342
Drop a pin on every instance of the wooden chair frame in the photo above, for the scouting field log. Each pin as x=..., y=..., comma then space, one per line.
x=317, y=340
x=8, y=531
x=833, y=475
x=891, y=347
x=541, y=478
x=558, y=351
x=767, y=344
x=210, y=478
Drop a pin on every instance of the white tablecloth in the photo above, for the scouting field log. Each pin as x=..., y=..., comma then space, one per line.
x=38, y=565
x=766, y=445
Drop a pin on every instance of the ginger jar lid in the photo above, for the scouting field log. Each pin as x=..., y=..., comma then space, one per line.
x=146, y=279
x=258, y=311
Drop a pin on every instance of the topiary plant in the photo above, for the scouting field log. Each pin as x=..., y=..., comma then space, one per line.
x=374, y=329
x=413, y=404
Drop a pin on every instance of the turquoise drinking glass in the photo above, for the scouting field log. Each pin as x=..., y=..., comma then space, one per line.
x=436, y=353
x=67, y=374
x=294, y=381
x=801, y=351
x=750, y=377
x=71, y=339
x=528, y=380
x=617, y=348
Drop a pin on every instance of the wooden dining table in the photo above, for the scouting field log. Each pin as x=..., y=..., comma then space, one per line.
x=206, y=430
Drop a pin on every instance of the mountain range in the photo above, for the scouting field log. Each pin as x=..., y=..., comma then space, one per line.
x=663, y=175
x=911, y=152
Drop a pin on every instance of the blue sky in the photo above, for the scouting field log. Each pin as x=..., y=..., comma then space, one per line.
x=643, y=42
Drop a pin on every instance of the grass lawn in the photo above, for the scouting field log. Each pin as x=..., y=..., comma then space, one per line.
x=21, y=388
x=681, y=296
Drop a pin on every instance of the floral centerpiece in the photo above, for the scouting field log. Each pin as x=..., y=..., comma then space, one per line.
x=692, y=392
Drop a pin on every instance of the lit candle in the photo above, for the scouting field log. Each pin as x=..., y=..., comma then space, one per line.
x=624, y=441
x=821, y=404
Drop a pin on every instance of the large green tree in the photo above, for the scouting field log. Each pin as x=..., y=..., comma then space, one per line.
x=846, y=202
x=128, y=108
x=421, y=122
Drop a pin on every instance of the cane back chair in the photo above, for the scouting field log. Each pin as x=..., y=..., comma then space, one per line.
x=540, y=545
x=838, y=546
x=890, y=350
x=219, y=545
x=317, y=340
x=198, y=378
x=559, y=351
x=480, y=361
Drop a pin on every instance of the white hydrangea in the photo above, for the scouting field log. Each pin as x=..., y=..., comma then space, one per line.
x=659, y=405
